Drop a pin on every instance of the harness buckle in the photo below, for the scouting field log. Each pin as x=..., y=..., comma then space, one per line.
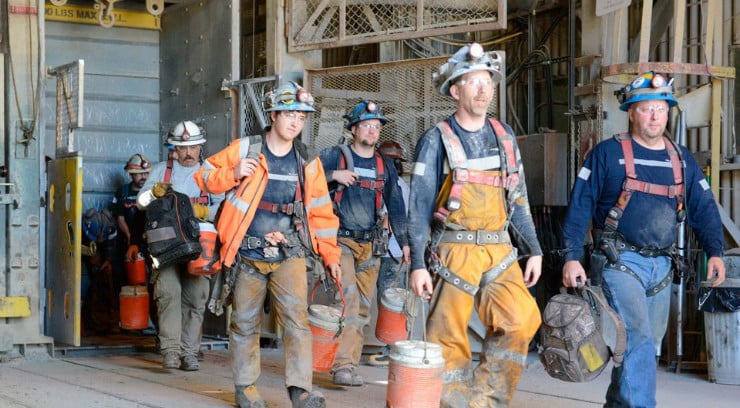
x=460, y=175
x=289, y=208
x=254, y=242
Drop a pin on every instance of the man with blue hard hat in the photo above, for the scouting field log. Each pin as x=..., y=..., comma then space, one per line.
x=366, y=196
x=635, y=188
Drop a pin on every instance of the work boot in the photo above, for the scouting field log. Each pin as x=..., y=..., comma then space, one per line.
x=249, y=397
x=347, y=376
x=379, y=360
x=189, y=363
x=171, y=359
x=301, y=398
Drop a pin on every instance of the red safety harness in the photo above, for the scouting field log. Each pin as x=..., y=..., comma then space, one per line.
x=458, y=162
x=632, y=184
x=203, y=199
x=377, y=184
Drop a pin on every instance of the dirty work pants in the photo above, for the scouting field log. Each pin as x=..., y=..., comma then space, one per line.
x=288, y=285
x=181, y=301
x=646, y=320
x=359, y=275
x=505, y=307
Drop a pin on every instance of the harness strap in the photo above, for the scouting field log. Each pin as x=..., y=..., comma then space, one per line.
x=456, y=281
x=479, y=237
x=493, y=273
x=632, y=184
x=202, y=199
x=648, y=291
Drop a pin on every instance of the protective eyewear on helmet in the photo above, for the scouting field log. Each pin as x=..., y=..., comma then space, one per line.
x=294, y=116
x=651, y=109
x=369, y=126
x=476, y=82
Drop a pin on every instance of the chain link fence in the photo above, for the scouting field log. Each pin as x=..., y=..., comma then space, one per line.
x=315, y=24
x=403, y=90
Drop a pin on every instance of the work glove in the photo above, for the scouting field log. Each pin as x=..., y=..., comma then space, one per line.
x=132, y=254
x=160, y=189
x=201, y=211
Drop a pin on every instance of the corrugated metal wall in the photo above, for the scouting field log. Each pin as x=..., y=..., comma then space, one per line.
x=121, y=110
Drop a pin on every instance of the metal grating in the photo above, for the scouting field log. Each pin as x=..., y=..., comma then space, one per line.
x=69, y=103
x=403, y=89
x=252, y=117
x=315, y=24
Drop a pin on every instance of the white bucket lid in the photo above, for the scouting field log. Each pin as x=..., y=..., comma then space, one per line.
x=394, y=298
x=325, y=317
x=417, y=353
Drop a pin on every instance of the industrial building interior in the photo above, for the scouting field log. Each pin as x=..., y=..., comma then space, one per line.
x=89, y=82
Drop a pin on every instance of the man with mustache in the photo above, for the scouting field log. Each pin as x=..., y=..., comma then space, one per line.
x=634, y=188
x=468, y=191
x=181, y=297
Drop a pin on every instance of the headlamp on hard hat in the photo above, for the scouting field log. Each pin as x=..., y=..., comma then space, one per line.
x=470, y=58
x=365, y=110
x=289, y=97
x=647, y=86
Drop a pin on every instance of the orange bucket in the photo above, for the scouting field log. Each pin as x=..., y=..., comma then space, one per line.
x=391, y=324
x=134, y=307
x=207, y=263
x=135, y=271
x=326, y=325
x=415, y=375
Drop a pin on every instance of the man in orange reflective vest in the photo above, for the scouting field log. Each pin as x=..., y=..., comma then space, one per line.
x=277, y=211
x=467, y=184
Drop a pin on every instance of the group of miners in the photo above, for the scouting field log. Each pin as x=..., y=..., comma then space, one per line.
x=463, y=225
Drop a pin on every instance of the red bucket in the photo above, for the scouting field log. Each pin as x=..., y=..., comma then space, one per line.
x=135, y=271
x=208, y=262
x=391, y=324
x=134, y=307
x=415, y=375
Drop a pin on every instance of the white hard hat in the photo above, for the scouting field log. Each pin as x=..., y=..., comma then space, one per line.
x=470, y=58
x=186, y=133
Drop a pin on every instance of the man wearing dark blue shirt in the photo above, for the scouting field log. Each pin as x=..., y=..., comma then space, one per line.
x=366, y=195
x=635, y=188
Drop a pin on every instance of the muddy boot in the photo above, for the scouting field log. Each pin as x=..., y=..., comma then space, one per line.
x=301, y=398
x=455, y=395
x=171, y=359
x=189, y=363
x=249, y=397
x=347, y=376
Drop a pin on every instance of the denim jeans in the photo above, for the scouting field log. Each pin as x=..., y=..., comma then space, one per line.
x=646, y=319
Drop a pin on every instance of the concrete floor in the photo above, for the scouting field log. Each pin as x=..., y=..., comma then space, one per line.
x=136, y=379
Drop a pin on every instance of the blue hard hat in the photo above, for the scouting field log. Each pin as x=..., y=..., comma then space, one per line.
x=648, y=86
x=363, y=111
x=99, y=226
x=289, y=96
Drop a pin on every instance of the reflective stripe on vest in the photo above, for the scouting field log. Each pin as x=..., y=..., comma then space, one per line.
x=632, y=184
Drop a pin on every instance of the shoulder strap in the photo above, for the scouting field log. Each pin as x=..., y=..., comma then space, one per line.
x=168, y=171
x=621, y=341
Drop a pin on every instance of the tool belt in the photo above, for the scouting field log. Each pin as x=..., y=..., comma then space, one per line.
x=479, y=237
x=250, y=242
x=356, y=235
x=607, y=254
